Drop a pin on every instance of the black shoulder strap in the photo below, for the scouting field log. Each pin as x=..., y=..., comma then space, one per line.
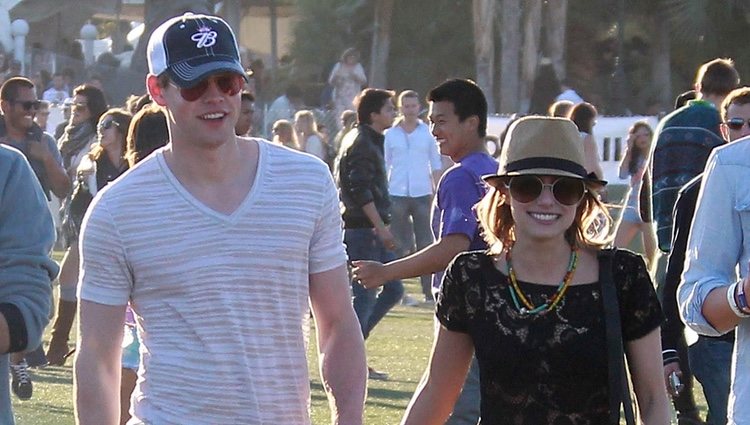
x=619, y=392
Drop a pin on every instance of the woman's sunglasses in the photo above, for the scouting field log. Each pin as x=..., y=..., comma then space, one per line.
x=229, y=84
x=736, y=123
x=566, y=190
x=107, y=124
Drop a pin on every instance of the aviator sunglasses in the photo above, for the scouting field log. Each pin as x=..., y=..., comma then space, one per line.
x=736, y=123
x=229, y=84
x=29, y=104
x=107, y=124
x=566, y=190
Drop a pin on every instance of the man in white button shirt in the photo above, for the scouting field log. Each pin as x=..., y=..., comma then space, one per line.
x=57, y=93
x=414, y=167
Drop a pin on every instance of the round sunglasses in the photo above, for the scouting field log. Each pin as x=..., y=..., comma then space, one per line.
x=566, y=190
x=229, y=84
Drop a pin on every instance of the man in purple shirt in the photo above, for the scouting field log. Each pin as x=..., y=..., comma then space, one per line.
x=458, y=120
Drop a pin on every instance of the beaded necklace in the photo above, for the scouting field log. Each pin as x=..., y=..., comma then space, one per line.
x=528, y=307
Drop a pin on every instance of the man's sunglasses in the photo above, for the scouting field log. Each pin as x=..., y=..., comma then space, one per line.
x=107, y=124
x=229, y=84
x=736, y=123
x=566, y=190
x=28, y=105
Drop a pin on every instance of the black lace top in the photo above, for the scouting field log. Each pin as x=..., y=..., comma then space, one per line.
x=543, y=369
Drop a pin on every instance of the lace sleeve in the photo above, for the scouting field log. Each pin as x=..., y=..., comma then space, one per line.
x=639, y=307
x=452, y=309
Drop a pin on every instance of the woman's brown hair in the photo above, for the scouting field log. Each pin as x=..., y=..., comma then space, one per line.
x=122, y=118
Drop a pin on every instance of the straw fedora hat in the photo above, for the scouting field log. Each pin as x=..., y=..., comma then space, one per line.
x=542, y=146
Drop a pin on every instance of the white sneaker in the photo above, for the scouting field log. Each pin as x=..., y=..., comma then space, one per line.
x=407, y=300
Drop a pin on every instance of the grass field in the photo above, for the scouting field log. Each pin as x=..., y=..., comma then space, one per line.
x=400, y=345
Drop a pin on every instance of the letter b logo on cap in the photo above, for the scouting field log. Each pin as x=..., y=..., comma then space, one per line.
x=204, y=38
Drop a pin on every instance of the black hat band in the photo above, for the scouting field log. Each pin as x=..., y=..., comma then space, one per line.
x=546, y=162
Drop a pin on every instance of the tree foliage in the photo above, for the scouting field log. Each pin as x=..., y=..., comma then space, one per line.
x=433, y=39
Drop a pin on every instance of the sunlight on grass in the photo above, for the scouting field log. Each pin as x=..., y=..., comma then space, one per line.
x=399, y=345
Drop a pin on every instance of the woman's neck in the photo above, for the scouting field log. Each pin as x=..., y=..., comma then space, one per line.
x=540, y=261
x=114, y=155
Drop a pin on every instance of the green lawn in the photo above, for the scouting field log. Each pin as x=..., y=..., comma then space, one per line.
x=400, y=346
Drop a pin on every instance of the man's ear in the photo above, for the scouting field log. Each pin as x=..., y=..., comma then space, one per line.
x=473, y=123
x=154, y=90
x=724, y=131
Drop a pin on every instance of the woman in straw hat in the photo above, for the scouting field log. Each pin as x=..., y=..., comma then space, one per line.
x=531, y=306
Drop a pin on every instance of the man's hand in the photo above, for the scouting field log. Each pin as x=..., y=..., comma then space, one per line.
x=369, y=274
x=668, y=369
x=38, y=151
x=385, y=235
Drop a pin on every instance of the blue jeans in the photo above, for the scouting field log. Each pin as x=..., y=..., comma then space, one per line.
x=369, y=304
x=410, y=224
x=711, y=363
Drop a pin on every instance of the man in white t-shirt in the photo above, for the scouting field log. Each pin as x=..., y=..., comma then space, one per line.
x=220, y=244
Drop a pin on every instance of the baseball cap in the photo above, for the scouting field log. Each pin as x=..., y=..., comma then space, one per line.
x=191, y=47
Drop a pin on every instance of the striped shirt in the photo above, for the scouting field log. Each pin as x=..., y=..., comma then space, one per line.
x=221, y=300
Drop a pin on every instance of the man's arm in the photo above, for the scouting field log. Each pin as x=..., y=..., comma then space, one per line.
x=710, y=261
x=341, y=349
x=457, y=195
x=431, y=259
x=383, y=231
x=673, y=328
x=59, y=181
x=104, y=289
x=26, y=237
x=98, y=363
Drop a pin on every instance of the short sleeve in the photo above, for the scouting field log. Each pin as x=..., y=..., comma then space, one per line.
x=26, y=238
x=458, y=194
x=639, y=307
x=327, y=249
x=450, y=305
x=52, y=146
x=105, y=276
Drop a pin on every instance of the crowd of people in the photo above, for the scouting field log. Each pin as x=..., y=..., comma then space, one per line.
x=188, y=241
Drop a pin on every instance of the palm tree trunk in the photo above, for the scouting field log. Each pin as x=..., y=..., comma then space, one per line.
x=381, y=43
x=661, y=73
x=530, y=59
x=510, y=40
x=156, y=12
x=484, y=48
x=232, y=12
x=554, y=38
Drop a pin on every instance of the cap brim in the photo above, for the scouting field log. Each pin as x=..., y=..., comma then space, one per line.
x=191, y=72
x=496, y=180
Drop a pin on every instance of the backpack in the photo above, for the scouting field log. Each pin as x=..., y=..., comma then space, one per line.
x=680, y=154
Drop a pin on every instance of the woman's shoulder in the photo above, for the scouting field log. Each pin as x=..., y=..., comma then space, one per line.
x=629, y=268
x=471, y=260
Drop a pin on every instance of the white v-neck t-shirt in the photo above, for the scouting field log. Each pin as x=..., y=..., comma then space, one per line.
x=220, y=300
